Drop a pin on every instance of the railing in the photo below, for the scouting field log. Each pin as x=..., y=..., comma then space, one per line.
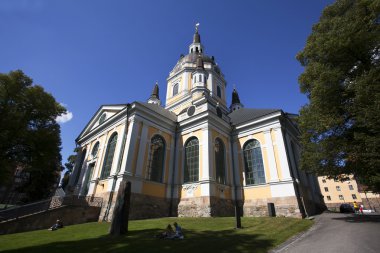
x=44, y=205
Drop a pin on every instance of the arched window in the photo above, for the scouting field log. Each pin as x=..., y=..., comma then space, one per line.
x=219, y=161
x=218, y=91
x=156, y=156
x=95, y=150
x=175, y=89
x=253, y=160
x=192, y=160
x=108, y=158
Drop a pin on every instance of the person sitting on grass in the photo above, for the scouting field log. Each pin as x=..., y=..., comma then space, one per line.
x=168, y=233
x=57, y=225
x=178, y=231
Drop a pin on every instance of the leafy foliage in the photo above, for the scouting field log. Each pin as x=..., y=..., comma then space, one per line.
x=29, y=134
x=340, y=127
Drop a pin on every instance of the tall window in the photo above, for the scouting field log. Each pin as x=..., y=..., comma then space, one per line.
x=88, y=177
x=219, y=161
x=328, y=198
x=95, y=150
x=351, y=187
x=175, y=89
x=192, y=160
x=156, y=162
x=218, y=91
x=108, y=158
x=326, y=189
x=253, y=160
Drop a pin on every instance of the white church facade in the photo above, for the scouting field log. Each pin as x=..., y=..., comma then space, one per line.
x=196, y=156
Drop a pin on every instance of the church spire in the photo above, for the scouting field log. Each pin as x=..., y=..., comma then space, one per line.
x=197, y=37
x=155, y=97
x=235, y=104
x=196, y=46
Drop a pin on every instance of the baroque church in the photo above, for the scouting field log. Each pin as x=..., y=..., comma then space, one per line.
x=195, y=156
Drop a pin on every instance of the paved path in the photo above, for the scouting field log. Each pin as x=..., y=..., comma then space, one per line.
x=335, y=232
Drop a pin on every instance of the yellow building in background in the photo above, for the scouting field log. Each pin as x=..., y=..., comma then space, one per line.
x=336, y=192
x=195, y=156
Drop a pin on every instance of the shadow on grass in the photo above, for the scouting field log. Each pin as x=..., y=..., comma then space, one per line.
x=360, y=218
x=144, y=241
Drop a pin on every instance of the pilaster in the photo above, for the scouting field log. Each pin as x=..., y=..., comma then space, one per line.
x=271, y=157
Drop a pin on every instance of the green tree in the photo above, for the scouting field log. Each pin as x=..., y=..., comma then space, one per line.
x=29, y=134
x=69, y=165
x=340, y=127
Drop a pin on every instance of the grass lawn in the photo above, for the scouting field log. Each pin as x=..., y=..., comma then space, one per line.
x=201, y=235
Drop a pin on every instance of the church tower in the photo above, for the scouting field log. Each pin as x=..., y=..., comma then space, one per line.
x=195, y=75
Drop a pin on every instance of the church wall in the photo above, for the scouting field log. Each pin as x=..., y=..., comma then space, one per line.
x=136, y=148
x=276, y=155
x=181, y=88
x=256, y=197
x=154, y=189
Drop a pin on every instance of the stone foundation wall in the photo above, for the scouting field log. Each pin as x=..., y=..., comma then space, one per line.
x=222, y=207
x=142, y=207
x=205, y=207
x=284, y=206
x=194, y=207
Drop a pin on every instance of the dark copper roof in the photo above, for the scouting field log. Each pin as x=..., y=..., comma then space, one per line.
x=155, y=92
x=196, y=38
x=247, y=114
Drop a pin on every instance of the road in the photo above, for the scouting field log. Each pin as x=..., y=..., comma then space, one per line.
x=335, y=232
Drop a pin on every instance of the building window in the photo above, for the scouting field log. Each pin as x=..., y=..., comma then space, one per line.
x=108, y=158
x=218, y=92
x=341, y=197
x=157, y=156
x=328, y=198
x=324, y=181
x=192, y=160
x=253, y=160
x=338, y=188
x=219, y=161
x=354, y=196
x=175, y=89
x=351, y=187
x=200, y=78
x=326, y=189
x=95, y=150
x=88, y=177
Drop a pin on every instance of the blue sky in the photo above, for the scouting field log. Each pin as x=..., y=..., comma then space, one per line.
x=89, y=53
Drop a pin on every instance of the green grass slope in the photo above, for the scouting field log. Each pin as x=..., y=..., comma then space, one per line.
x=201, y=235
